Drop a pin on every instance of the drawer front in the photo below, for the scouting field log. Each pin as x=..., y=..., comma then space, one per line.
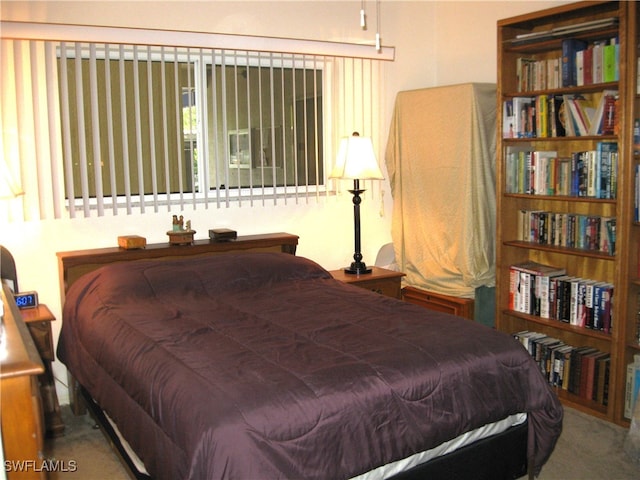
x=41, y=334
x=387, y=286
x=462, y=307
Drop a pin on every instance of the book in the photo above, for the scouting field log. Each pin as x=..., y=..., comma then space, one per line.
x=527, y=340
x=591, y=166
x=525, y=295
x=605, y=392
x=581, y=113
x=632, y=391
x=588, y=384
x=636, y=382
x=603, y=367
x=509, y=127
x=561, y=364
x=585, y=302
x=606, y=158
x=522, y=73
x=541, y=351
x=610, y=62
x=629, y=389
x=517, y=167
x=589, y=303
x=542, y=116
x=574, y=299
x=576, y=367
x=597, y=62
x=569, y=48
x=530, y=287
x=587, y=66
x=605, y=103
x=556, y=114
x=544, y=297
x=566, y=369
x=602, y=320
x=567, y=117
x=540, y=161
x=610, y=224
x=562, y=177
x=609, y=119
x=563, y=293
x=553, y=362
x=523, y=116
x=518, y=335
x=546, y=362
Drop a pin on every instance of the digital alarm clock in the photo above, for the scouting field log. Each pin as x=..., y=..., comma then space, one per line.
x=26, y=299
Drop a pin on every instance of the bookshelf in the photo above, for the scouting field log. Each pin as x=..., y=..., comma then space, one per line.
x=555, y=203
x=631, y=344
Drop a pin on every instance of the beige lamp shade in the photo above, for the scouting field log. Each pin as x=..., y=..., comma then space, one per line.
x=356, y=160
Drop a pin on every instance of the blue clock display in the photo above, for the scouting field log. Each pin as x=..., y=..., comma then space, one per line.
x=26, y=299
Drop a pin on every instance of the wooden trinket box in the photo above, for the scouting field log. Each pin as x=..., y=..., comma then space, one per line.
x=222, y=234
x=129, y=242
x=181, y=237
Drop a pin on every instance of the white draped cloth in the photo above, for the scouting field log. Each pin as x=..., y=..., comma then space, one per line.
x=440, y=158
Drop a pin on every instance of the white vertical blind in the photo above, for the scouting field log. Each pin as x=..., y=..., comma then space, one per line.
x=101, y=125
x=125, y=141
x=29, y=121
x=111, y=156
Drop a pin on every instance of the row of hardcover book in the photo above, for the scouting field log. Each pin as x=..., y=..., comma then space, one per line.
x=583, y=371
x=579, y=63
x=548, y=292
x=568, y=230
x=590, y=173
x=561, y=115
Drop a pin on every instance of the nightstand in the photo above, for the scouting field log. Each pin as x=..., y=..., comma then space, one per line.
x=380, y=280
x=38, y=321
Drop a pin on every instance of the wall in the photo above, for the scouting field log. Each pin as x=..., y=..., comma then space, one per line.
x=437, y=43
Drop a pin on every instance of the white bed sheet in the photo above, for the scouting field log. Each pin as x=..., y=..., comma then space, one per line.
x=468, y=438
x=399, y=466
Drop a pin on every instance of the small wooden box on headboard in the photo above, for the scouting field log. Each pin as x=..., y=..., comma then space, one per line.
x=131, y=241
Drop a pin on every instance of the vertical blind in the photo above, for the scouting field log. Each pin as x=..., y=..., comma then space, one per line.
x=92, y=128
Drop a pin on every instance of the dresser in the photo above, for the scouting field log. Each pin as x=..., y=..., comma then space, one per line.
x=21, y=405
x=38, y=322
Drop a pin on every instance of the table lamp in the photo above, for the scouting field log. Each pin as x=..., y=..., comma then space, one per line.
x=356, y=161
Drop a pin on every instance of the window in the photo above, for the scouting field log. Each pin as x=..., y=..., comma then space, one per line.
x=141, y=126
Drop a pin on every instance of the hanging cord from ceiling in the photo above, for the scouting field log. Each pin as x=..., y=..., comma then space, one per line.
x=378, y=45
x=363, y=22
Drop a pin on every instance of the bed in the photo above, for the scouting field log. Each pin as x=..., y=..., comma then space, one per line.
x=260, y=365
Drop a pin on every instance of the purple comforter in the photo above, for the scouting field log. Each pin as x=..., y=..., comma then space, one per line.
x=263, y=366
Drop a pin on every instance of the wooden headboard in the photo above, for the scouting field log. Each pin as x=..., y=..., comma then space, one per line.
x=72, y=265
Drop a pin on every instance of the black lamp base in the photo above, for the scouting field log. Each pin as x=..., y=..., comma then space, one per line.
x=357, y=268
